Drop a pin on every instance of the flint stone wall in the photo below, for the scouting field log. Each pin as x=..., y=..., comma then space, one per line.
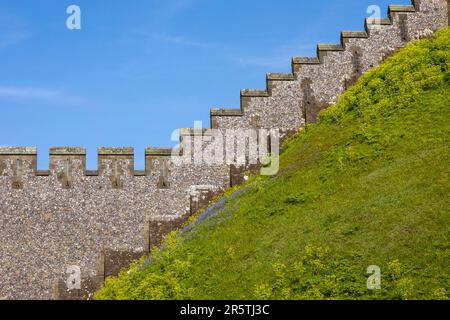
x=98, y=220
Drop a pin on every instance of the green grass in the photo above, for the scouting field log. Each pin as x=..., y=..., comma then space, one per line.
x=367, y=185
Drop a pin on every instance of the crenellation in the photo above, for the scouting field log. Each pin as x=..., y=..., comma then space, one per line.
x=305, y=60
x=116, y=163
x=140, y=173
x=64, y=151
x=63, y=162
x=18, y=159
x=100, y=220
x=279, y=110
x=250, y=93
x=8, y=151
x=43, y=173
x=352, y=34
x=324, y=49
x=91, y=173
x=157, y=161
x=280, y=77
x=16, y=164
x=400, y=8
x=273, y=79
x=116, y=151
x=375, y=23
x=341, y=68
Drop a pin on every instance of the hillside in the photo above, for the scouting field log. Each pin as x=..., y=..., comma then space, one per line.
x=367, y=185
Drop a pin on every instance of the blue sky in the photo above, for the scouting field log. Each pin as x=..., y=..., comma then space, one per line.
x=140, y=69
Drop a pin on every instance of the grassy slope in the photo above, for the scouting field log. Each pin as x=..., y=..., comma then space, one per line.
x=368, y=185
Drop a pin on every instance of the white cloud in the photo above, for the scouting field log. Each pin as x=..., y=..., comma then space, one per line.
x=179, y=5
x=274, y=62
x=12, y=38
x=178, y=40
x=280, y=58
x=183, y=41
x=13, y=31
x=37, y=94
x=28, y=93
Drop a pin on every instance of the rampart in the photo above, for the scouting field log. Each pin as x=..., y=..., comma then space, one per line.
x=101, y=220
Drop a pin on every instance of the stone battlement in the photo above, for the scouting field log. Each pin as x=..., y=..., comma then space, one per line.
x=100, y=220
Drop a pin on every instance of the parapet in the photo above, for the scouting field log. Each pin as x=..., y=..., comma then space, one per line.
x=158, y=159
x=116, y=151
x=117, y=161
x=20, y=157
x=67, y=155
x=18, y=151
x=64, y=158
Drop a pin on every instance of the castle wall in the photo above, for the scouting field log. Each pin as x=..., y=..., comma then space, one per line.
x=318, y=82
x=99, y=220
x=54, y=220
